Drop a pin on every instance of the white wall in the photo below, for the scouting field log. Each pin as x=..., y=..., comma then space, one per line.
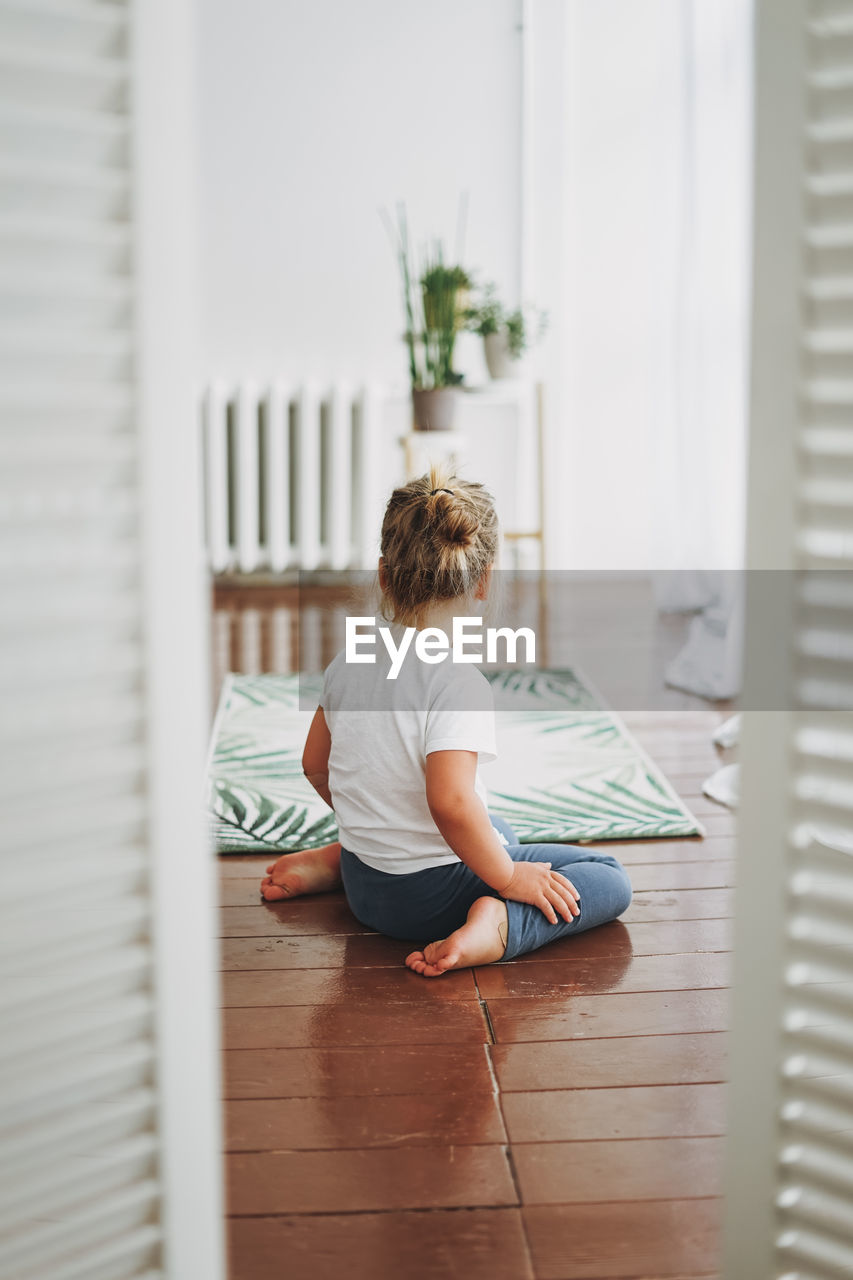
x=314, y=113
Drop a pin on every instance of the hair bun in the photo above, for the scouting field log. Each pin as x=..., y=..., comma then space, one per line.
x=439, y=536
x=456, y=521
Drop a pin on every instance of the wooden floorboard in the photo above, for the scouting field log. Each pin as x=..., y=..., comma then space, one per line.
x=631, y=853
x=681, y=875
x=637, y=1169
x=477, y=1244
x=559, y=1117
x=356, y=1071
x=658, y=1240
x=353, y=1023
x=365, y=1179
x=615, y=1113
x=569, y=977
x=332, y=986
x=615, y=1062
x=684, y=904
x=415, y=1119
x=582, y=1016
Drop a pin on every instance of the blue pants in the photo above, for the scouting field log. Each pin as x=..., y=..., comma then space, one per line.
x=427, y=905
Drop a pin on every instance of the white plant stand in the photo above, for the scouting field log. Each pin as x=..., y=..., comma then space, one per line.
x=423, y=449
x=525, y=528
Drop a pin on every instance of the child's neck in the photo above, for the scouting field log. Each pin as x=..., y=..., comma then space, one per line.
x=442, y=613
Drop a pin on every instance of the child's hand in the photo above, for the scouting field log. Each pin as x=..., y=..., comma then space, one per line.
x=537, y=884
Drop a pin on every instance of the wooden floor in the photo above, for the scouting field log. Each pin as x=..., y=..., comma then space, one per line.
x=559, y=1117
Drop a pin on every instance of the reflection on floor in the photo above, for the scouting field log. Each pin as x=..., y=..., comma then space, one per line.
x=557, y=1118
x=608, y=626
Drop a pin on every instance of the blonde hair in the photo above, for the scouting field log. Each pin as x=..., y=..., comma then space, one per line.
x=439, y=536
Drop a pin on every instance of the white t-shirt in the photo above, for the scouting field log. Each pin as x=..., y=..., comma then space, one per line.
x=382, y=732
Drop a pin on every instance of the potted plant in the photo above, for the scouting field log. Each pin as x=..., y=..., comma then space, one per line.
x=436, y=305
x=506, y=334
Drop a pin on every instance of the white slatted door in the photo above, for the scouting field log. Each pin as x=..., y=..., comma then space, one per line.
x=100, y=823
x=790, y=1164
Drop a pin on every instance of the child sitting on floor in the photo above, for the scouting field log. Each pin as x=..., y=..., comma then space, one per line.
x=420, y=857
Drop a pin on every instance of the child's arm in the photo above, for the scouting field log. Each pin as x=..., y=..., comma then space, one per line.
x=462, y=819
x=315, y=757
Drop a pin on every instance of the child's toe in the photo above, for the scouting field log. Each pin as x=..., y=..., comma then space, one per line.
x=272, y=892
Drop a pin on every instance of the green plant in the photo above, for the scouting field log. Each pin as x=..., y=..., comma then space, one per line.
x=517, y=337
x=434, y=307
x=523, y=326
x=443, y=317
x=488, y=315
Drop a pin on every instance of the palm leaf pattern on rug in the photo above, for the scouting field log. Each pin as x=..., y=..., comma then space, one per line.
x=628, y=806
x=539, y=690
x=568, y=769
x=267, y=821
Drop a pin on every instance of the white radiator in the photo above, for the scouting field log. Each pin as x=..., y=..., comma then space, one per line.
x=287, y=482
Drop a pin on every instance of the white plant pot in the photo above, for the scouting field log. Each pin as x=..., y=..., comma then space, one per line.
x=498, y=359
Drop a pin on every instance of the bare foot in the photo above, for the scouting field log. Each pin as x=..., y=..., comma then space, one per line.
x=481, y=940
x=307, y=871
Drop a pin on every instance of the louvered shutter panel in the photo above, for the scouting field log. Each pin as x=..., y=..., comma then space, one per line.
x=815, y=1198
x=790, y=1183
x=80, y=1090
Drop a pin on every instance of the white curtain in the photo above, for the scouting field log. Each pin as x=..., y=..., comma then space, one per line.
x=701, y=382
x=703, y=252
x=639, y=137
